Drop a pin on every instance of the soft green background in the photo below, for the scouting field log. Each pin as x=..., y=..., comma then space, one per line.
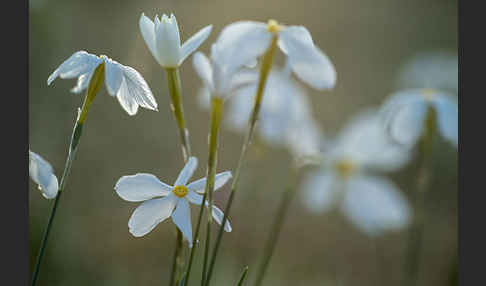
x=90, y=244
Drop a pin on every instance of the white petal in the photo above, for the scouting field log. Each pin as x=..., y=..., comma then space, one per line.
x=182, y=218
x=447, y=118
x=218, y=217
x=320, y=190
x=167, y=42
x=77, y=64
x=134, y=91
x=147, y=28
x=375, y=205
x=194, y=198
x=113, y=75
x=203, y=68
x=365, y=141
x=141, y=187
x=186, y=172
x=219, y=181
x=194, y=42
x=241, y=43
x=308, y=62
x=149, y=214
x=204, y=97
x=43, y=175
x=82, y=83
x=404, y=116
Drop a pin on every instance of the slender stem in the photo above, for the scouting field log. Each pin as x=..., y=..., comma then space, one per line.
x=93, y=88
x=275, y=231
x=175, y=91
x=414, y=245
x=215, y=120
x=243, y=276
x=267, y=62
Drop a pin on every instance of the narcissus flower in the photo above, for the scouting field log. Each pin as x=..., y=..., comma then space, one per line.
x=162, y=200
x=242, y=42
x=164, y=42
x=405, y=114
x=43, y=175
x=121, y=81
x=347, y=178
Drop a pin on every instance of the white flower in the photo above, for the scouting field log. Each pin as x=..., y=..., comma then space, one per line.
x=242, y=42
x=42, y=174
x=121, y=81
x=163, y=40
x=220, y=77
x=373, y=203
x=405, y=114
x=434, y=69
x=162, y=200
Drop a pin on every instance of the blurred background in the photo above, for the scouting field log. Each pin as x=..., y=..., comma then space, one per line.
x=368, y=42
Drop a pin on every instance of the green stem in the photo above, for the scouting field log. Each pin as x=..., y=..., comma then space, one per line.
x=175, y=92
x=243, y=276
x=275, y=231
x=93, y=88
x=215, y=120
x=267, y=62
x=414, y=245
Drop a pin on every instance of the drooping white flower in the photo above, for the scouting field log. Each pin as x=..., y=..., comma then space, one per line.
x=164, y=42
x=42, y=174
x=161, y=200
x=121, y=81
x=221, y=78
x=243, y=41
x=347, y=178
x=433, y=69
x=405, y=113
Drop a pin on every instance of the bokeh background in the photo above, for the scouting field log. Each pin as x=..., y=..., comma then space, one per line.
x=368, y=42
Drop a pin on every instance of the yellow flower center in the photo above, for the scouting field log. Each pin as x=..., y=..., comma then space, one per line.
x=273, y=26
x=428, y=93
x=345, y=168
x=180, y=191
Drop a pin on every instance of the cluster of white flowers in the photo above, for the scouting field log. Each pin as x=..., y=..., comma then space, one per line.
x=350, y=174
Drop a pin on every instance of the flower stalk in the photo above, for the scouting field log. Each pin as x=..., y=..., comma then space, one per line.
x=93, y=88
x=414, y=245
x=175, y=92
x=215, y=120
x=266, y=66
x=243, y=276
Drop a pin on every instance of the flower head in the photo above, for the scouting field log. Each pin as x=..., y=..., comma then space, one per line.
x=121, y=81
x=373, y=203
x=242, y=42
x=161, y=200
x=405, y=114
x=164, y=42
x=43, y=175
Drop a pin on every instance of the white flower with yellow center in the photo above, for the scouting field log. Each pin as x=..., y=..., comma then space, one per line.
x=164, y=42
x=43, y=175
x=121, y=81
x=372, y=203
x=242, y=42
x=405, y=114
x=162, y=201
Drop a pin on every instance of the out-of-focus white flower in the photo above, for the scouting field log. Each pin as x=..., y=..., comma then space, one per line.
x=162, y=201
x=285, y=117
x=220, y=77
x=243, y=41
x=164, y=42
x=373, y=203
x=438, y=70
x=121, y=81
x=43, y=175
x=405, y=114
